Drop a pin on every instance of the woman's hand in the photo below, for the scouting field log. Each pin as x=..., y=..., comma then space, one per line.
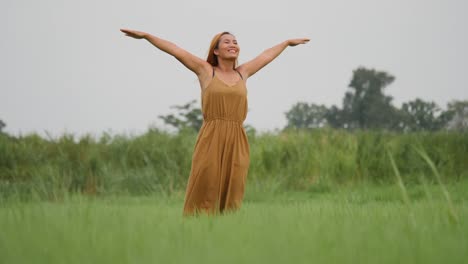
x=134, y=34
x=295, y=42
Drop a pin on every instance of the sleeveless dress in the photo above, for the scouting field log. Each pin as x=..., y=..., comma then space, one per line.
x=221, y=156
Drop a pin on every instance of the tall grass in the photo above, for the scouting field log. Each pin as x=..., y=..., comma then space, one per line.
x=159, y=162
x=452, y=212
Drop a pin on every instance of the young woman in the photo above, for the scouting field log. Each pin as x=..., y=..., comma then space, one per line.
x=221, y=157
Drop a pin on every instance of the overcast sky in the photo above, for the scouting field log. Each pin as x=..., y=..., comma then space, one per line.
x=66, y=67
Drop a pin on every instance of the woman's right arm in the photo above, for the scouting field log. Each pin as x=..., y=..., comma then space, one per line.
x=192, y=62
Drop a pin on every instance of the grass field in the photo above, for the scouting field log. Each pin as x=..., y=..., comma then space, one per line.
x=364, y=224
x=160, y=162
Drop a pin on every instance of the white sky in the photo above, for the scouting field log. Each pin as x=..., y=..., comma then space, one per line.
x=66, y=67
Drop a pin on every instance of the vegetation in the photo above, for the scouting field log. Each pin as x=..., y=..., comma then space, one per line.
x=2, y=126
x=159, y=162
x=367, y=224
x=188, y=116
x=366, y=106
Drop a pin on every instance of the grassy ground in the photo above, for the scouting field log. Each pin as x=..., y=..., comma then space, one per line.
x=366, y=224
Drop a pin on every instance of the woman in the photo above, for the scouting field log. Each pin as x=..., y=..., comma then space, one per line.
x=221, y=157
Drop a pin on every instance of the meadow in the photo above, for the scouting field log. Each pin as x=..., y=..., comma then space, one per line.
x=322, y=196
x=365, y=224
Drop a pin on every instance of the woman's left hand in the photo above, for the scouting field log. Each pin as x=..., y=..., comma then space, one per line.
x=133, y=33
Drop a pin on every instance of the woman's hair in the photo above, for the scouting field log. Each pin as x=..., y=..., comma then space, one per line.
x=212, y=58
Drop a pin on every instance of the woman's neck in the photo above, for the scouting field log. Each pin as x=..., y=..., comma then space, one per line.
x=225, y=65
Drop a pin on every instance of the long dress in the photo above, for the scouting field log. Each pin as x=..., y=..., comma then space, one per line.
x=221, y=156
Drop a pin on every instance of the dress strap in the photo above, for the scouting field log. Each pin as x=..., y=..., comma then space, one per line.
x=239, y=74
x=234, y=69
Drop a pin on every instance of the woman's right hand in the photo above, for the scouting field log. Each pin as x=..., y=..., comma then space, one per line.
x=133, y=33
x=295, y=42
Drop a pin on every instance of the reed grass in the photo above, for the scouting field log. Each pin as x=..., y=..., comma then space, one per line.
x=159, y=162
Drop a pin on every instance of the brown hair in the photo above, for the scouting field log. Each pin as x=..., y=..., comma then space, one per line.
x=212, y=58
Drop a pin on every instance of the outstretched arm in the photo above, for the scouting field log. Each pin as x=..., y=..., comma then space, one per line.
x=251, y=67
x=192, y=62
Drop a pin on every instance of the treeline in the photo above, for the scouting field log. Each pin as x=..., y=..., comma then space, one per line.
x=159, y=162
x=365, y=107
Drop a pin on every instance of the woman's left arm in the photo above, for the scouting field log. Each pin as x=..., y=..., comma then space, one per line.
x=251, y=67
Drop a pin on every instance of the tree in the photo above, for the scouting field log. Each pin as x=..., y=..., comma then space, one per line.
x=2, y=126
x=303, y=115
x=457, y=115
x=336, y=117
x=365, y=106
x=188, y=116
x=420, y=115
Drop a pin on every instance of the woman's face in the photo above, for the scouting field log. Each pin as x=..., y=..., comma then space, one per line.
x=228, y=48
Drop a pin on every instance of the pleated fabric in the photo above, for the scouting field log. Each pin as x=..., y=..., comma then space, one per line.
x=221, y=156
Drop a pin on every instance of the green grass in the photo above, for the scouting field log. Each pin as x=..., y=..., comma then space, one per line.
x=158, y=161
x=363, y=224
x=322, y=196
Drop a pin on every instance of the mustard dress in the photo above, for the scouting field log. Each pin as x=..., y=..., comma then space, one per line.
x=221, y=156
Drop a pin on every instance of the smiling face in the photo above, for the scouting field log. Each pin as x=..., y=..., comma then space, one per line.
x=227, y=48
